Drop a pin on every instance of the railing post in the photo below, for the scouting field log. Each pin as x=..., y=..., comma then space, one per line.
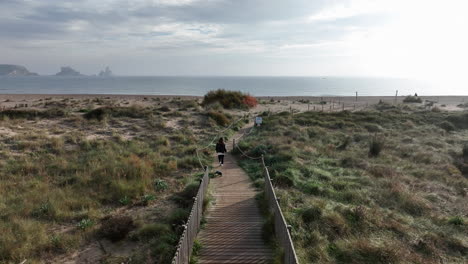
x=195, y=203
x=188, y=246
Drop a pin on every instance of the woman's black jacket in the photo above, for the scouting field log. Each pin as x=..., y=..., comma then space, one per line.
x=220, y=148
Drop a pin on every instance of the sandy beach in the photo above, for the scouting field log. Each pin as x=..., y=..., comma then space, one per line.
x=266, y=103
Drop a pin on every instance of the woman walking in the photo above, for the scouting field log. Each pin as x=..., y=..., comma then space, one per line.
x=221, y=149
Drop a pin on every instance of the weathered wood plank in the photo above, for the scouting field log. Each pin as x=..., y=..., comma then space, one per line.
x=233, y=232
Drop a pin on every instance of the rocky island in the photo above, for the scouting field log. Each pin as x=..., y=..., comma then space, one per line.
x=105, y=73
x=68, y=71
x=15, y=70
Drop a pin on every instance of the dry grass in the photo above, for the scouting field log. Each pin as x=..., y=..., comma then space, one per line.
x=352, y=199
x=94, y=170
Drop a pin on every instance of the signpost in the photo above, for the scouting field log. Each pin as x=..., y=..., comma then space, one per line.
x=258, y=120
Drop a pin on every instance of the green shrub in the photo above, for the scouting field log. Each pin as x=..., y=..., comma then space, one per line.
x=456, y=220
x=283, y=181
x=219, y=117
x=375, y=147
x=412, y=99
x=313, y=188
x=373, y=128
x=61, y=243
x=311, y=214
x=145, y=199
x=85, y=223
x=196, y=249
x=436, y=109
x=160, y=185
x=116, y=228
x=185, y=197
x=163, y=250
x=45, y=210
x=229, y=99
x=287, y=179
x=178, y=217
x=153, y=230
x=356, y=215
x=164, y=109
x=98, y=114
x=124, y=200
x=447, y=126
x=459, y=120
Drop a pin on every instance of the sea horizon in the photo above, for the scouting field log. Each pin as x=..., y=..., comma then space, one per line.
x=198, y=85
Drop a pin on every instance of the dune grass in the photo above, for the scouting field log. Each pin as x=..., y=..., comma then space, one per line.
x=381, y=186
x=63, y=184
x=75, y=186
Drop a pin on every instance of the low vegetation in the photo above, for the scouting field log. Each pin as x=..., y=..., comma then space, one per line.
x=31, y=114
x=380, y=186
x=412, y=99
x=463, y=105
x=219, y=117
x=102, y=113
x=98, y=170
x=229, y=99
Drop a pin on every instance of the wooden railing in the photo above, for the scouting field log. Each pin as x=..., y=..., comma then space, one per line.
x=184, y=248
x=282, y=229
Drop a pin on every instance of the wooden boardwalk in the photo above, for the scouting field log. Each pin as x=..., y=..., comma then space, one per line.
x=233, y=232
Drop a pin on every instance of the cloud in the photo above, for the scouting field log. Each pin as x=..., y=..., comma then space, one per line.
x=352, y=8
x=251, y=30
x=231, y=12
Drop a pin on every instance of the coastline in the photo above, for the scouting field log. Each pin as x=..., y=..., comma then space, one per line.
x=266, y=103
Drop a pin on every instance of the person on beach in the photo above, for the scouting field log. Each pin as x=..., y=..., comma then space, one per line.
x=221, y=149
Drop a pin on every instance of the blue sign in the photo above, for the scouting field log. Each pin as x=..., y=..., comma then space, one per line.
x=258, y=120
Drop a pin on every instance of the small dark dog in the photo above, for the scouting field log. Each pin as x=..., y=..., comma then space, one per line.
x=218, y=174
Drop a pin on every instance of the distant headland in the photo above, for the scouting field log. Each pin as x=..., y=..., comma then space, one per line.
x=15, y=70
x=65, y=71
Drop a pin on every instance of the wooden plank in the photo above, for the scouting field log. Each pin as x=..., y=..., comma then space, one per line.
x=233, y=232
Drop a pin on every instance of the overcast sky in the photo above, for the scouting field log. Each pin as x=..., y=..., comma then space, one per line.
x=399, y=38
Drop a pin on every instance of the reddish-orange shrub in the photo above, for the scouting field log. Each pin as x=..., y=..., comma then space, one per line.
x=250, y=101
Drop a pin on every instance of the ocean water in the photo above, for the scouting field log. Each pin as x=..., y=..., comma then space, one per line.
x=257, y=86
